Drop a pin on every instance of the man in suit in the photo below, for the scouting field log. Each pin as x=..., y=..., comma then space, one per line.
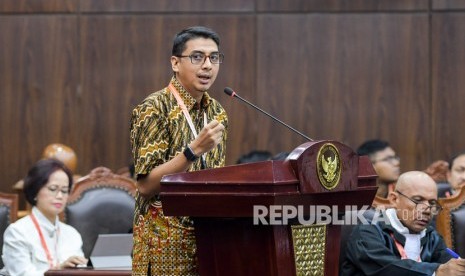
x=400, y=241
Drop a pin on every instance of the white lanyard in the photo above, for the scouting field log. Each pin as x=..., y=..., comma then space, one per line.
x=186, y=113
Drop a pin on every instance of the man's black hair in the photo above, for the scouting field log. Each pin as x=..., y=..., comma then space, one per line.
x=452, y=159
x=179, y=42
x=371, y=147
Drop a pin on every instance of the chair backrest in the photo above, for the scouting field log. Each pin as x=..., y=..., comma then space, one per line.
x=381, y=203
x=450, y=222
x=101, y=203
x=8, y=215
x=438, y=170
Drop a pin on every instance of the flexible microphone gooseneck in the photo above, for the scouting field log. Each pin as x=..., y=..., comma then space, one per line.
x=233, y=94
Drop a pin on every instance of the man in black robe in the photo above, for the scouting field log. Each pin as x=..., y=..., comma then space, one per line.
x=400, y=242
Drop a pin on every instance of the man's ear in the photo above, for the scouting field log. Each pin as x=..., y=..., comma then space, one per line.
x=174, y=63
x=393, y=196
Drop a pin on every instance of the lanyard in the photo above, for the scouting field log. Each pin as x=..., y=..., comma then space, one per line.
x=187, y=115
x=403, y=254
x=42, y=241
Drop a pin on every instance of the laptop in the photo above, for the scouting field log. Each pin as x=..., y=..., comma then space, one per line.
x=112, y=252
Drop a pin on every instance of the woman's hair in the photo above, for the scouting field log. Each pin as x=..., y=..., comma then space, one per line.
x=38, y=176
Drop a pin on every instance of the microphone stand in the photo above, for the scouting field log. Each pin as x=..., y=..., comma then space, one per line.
x=231, y=93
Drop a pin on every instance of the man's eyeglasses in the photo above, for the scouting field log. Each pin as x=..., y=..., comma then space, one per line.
x=389, y=159
x=420, y=206
x=55, y=190
x=200, y=58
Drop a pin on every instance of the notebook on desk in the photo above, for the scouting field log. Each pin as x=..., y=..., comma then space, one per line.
x=112, y=251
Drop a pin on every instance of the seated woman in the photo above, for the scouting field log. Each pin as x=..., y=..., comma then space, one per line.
x=39, y=241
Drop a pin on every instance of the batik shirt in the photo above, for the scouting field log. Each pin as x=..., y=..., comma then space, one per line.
x=159, y=131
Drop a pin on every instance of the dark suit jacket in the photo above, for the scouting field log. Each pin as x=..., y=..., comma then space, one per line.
x=372, y=251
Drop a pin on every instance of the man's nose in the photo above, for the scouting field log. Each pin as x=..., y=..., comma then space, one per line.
x=207, y=62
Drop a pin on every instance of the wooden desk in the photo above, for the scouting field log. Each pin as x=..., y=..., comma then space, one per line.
x=87, y=272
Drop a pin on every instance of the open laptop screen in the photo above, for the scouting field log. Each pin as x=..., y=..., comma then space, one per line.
x=112, y=251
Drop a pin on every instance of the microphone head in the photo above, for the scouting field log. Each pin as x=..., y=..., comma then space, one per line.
x=229, y=91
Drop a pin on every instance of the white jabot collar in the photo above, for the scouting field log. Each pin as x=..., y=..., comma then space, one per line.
x=412, y=241
x=396, y=224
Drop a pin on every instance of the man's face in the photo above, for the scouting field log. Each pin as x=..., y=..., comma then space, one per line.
x=386, y=164
x=456, y=176
x=422, y=190
x=196, y=78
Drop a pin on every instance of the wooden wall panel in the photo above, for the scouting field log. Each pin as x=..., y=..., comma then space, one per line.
x=238, y=72
x=448, y=82
x=341, y=5
x=448, y=4
x=125, y=58
x=72, y=70
x=37, y=6
x=355, y=76
x=38, y=84
x=166, y=5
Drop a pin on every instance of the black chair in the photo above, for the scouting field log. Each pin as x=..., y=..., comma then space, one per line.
x=101, y=203
x=458, y=230
x=8, y=215
x=444, y=188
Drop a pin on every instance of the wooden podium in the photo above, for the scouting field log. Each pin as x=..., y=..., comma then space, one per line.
x=221, y=202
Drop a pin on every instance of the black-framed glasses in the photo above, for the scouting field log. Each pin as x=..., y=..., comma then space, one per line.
x=388, y=159
x=55, y=190
x=199, y=57
x=420, y=206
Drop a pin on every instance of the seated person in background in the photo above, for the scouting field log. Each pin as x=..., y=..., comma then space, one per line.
x=59, y=152
x=401, y=242
x=456, y=172
x=254, y=156
x=39, y=241
x=385, y=162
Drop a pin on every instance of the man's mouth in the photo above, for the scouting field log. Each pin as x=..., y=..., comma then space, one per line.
x=205, y=77
x=423, y=222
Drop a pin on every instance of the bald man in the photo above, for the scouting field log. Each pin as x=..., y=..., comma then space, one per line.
x=401, y=242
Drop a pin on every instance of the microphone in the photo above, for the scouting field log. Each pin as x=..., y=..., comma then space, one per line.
x=233, y=94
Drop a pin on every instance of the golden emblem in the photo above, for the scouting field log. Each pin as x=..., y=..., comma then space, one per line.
x=329, y=166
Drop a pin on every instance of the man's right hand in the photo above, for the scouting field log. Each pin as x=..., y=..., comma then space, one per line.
x=451, y=268
x=209, y=137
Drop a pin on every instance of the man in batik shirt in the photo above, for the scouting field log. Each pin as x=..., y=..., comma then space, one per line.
x=179, y=128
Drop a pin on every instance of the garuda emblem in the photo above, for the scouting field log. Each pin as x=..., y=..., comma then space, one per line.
x=329, y=166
